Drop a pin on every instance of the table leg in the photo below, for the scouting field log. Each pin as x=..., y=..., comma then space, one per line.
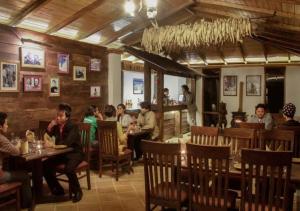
x=37, y=177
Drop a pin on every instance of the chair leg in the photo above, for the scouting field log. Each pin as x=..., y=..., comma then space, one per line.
x=88, y=178
x=18, y=207
x=70, y=191
x=148, y=207
x=117, y=170
x=100, y=167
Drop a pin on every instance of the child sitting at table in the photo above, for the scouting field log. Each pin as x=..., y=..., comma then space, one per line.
x=7, y=148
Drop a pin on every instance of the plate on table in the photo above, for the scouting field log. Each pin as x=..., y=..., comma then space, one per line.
x=60, y=146
x=296, y=160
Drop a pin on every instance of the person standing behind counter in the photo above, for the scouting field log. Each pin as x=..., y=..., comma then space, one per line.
x=189, y=101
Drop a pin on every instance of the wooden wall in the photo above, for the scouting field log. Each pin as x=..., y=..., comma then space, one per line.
x=25, y=109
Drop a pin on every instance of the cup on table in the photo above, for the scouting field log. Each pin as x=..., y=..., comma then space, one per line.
x=24, y=147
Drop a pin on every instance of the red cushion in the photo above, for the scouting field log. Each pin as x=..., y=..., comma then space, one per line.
x=9, y=186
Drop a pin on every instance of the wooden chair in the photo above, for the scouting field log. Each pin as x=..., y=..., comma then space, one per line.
x=109, y=148
x=162, y=166
x=208, y=178
x=84, y=129
x=204, y=135
x=277, y=138
x=7, y=190
x=296, y=129
x=266, y=180
x=258, y=127
x=238, y=138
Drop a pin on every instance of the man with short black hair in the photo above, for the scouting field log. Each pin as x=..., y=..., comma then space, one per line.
x=65, y=133
x=262, y=117
x=6, y=149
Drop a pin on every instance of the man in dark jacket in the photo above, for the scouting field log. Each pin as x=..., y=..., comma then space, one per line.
x=288, y=112
x=66, y=133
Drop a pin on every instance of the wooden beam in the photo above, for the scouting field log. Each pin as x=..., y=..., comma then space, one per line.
x=222, y=55
x=102, y=26
x=241, y=47
x=265, y=51
x=142, y=25
x=248, y=8
x=76, y=16
x=203, y=57
x=28, y=10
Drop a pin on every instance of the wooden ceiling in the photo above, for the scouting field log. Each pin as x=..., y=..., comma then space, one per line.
x=103, y=22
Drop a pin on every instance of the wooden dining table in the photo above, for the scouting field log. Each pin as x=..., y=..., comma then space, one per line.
x=35, y=158
x=134, y=141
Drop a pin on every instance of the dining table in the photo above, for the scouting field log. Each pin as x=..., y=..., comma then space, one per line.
x=134, y=141
x=36, y=157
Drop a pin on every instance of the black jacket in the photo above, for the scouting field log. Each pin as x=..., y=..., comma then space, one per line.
x=70, y=137
x=291, y=123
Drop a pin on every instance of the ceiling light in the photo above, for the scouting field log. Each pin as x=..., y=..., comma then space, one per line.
x=129, y=7
x=151, y=3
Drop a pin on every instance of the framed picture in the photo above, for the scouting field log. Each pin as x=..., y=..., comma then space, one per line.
x=95, y=91
x=9, y=77
x=54, y=87
x=33, y=57
x=63, y=63
x=32, y=83
x=138, y=86
x=79, y=73
x=253, y=85
x=95, y=64
x=230, y=85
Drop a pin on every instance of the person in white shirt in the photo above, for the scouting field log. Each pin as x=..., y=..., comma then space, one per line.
x=123, y=119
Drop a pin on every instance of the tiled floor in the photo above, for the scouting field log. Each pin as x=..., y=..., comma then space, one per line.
x=108, y=195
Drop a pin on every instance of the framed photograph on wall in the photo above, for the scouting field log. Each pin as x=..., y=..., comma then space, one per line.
x=63, y=61
x=253, y=85
x=138, y=86
x=95, y=64
x=32, y=57
x=230, y=85
x=54, y=87
x=95, y=91
x=79, y=73
x=32, y=83
x=9, y=77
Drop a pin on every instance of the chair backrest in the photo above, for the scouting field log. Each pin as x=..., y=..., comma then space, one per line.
x=296, y=129
x=277, y=138
x=265, y=180
x=258, y=127
x=84, y=130
x=204, y=135
x=238, y=138
x=162, y=166
x=208, y=176
x=108, y=138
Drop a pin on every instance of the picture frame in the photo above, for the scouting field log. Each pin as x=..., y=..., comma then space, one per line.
x=79, y=73
x=95, y=64
x=9, y=76
x=253, y=85
x=63, y=62
x=32, y=57
x=138, y=86
x=95, y=91
x=54, y=87
x=33, y=83
x=230, y=85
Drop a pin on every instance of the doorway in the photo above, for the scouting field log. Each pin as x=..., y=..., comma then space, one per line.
x=275, y=88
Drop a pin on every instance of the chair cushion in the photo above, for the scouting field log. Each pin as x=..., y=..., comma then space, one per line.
x=82, y=165
x=162, y=192
x=230, y=200
x=9, y=186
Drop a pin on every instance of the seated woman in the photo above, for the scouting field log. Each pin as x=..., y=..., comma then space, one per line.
x=123, y=119
x=6, y=149
x=90, y=118
x=288, y=112
x=147, y=120
x=109, y=115
x=97, y=113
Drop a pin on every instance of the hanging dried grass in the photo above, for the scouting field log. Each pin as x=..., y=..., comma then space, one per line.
x=173, y=39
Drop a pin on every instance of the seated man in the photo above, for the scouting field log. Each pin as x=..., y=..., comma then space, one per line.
x=67, y=133
x=147, y=120
x=262, y=117
x=288, y=112
x=7, y=148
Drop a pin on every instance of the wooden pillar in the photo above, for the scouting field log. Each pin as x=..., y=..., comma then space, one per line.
x=160, y=104
x=147, y=82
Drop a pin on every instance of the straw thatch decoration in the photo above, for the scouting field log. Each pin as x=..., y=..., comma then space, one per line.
x=172, y=39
